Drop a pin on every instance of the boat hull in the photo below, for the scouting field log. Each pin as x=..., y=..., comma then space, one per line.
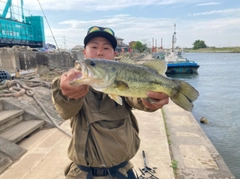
x=182, y=68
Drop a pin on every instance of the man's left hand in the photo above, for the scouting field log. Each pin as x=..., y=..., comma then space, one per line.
x=155, y=100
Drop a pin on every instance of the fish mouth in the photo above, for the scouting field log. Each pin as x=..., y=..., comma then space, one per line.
x=86, y=72
x=89, y=75
x=84, y=77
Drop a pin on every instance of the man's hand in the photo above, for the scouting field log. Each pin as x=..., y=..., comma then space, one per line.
x=72, y=92
x=157, y=100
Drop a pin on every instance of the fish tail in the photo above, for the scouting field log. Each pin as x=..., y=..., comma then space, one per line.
x=185, y=95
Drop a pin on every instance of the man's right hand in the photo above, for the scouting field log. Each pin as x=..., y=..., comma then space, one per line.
x=72, y=92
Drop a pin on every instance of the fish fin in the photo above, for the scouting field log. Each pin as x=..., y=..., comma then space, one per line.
x=127, y=60
x=159, y=66
x=116, y=98
x=185, y=96
x=120, y=85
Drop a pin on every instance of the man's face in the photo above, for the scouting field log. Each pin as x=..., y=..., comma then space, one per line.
x=99, y=47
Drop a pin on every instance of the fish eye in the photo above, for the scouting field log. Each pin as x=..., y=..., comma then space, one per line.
x=92, y=63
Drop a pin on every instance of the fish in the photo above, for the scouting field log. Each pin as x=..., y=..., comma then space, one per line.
x=126, y=78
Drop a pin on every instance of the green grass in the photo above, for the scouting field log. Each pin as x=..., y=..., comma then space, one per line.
x=174, y=163
x=175, y=167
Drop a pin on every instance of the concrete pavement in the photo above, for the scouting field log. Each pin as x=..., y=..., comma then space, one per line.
x=196, y=157
x=47, y=151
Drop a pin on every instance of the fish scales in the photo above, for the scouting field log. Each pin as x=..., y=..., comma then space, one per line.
x=134, y=80
x=139, y=79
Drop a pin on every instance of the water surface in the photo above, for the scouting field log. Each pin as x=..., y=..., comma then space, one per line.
x=218, y=82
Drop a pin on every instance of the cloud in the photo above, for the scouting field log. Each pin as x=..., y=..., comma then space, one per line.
x=214, y=31
x=209, y=4
x=225, y=11
x=144, y=23
x=125, y=26
x=91, y=5
x=132, y=28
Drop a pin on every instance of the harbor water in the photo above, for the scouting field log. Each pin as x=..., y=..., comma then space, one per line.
x=218, y=82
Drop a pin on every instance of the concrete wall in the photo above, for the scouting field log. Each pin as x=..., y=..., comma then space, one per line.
x=55, y=60
x=12, y=59
x=9, y=59
x=27, y=60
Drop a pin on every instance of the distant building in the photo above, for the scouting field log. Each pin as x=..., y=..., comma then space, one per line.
x=121, y=47
x=119, y=41
x=78, y=47
x=131, y=43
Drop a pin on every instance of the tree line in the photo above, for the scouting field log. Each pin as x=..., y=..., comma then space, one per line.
x=199, y=44
x=143, y=47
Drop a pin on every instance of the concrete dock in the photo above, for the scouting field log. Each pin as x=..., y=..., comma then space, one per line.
x=171, y=138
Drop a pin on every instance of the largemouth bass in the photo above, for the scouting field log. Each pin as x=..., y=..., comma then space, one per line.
x=133, y=80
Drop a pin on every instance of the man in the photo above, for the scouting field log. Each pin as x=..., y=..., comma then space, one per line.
x=105, y=134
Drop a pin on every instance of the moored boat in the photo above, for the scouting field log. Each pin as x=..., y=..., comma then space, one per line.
x=176, y=64
x=187, y=67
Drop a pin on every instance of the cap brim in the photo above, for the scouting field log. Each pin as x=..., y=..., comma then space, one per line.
x=105, y=35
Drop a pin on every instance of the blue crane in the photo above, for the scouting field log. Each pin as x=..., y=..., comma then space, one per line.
x=7, y=7
x=29, y=31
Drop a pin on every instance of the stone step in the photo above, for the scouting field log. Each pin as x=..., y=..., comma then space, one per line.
x=9, y=118
x=5, y=162
x=9, y=152
x=46, y=156
x=21, y=130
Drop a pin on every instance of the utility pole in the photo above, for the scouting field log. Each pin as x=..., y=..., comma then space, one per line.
x=152, y=44
x=161, y=44
x=155, y=45
x=64, y=42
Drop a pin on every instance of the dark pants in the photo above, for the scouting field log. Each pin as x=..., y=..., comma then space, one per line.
x=131, y=174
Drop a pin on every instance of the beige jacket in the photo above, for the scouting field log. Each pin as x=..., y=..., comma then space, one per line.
x=104, y=134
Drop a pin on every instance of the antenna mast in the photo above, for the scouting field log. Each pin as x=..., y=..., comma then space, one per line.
x=174, y=38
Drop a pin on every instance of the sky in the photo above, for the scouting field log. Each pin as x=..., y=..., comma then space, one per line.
x=217, y=23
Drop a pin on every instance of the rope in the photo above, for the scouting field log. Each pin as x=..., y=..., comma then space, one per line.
x=50, y=117
x=17, y=88
x=50, y=28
